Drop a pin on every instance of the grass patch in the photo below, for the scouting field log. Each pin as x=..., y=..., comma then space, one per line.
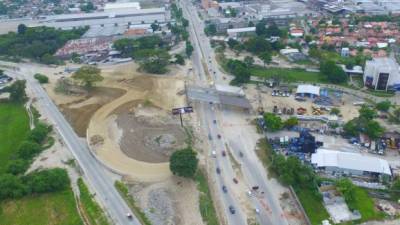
x=93, y=211
x=313, y=206
x=14, y=126
x=384, y=94
x=365, y=205
x=288, y=75
x=124, y=192
x=58, y=208
x=207, y=209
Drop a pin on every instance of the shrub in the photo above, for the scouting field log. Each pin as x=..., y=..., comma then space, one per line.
x=43, y=79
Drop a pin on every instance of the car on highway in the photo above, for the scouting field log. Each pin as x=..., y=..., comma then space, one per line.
x=223, y=153
x=232, y=209
x=214, y=154
x=218, y=170
x=235, y=180
x=218, y=136
x=241, y=154
x=224, y=189
x=214, y=121
x=129, y=215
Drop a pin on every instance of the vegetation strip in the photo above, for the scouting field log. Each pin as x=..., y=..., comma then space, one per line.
x=124, y=192
x=92, y=209
x=207, y=208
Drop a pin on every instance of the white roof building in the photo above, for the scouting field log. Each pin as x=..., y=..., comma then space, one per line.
x=287, y=51
x=121, y=5
x=236, y=31
x=308, y=89
x=350, y=161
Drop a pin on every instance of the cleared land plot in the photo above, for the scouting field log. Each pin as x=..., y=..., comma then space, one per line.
x=288, y=75
x=57, y=208
x=14, y=126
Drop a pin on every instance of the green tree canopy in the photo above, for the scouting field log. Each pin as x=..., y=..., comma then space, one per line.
x=367, y=112
x=11, y=186
x=28, y=149
x=273, y=122
x=248, y=60
x=152, y=60
x=49, y=180
x=88, y=76
x=383, y=106
x=333, y=72
x=17, y=91
x=184, y=163
x=189, y=48
x=266, y=57
x=17, y=166
x=291, y=122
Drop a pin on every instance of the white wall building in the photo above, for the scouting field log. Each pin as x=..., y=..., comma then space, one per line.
x=348, y=163
x=236, y=32
x=382, y=74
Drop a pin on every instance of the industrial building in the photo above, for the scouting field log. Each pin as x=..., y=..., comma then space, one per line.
x=339, y=163
x=382, y=74
x=120, y=17
x=308, y=90
x=237, y=32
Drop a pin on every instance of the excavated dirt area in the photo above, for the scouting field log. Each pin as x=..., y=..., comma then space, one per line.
x=150, y=134
x=78, y=113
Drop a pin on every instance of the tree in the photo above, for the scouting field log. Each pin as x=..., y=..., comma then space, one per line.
x=395, y=188
x=17, y=91
x=87, y=7
x=21, y=29
x=49, y=59
x=185, y=22
x=265, y=57
x=155, y=26
x=179, y=59
x=39, y=133
x=346, y=187
x=373, y=129
x=28, y=150
x=239, y=70
x=333, y=72
x=383, y=106
x=351, y=128
x=273, y=122
x=248, y=60
x=189, y=48
x=308, y=38
x=210, y=29
x=11, y=187
x=49, y=180
x=257, y=45
x=261, y=29
x=335, y=111
x=43, y=79
x=152, y=60
x=291, y=122
x=17, y=166
x=184, y=163
x=367, y=113
x=88, y=76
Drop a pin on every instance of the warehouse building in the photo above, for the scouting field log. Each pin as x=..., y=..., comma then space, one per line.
x=308, y=90
x=120, y=17
x=339, y=163
x=382, y=74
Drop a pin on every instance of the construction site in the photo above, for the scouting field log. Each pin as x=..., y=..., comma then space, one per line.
x=127, y=121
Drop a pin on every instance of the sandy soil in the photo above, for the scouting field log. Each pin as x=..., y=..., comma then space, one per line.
x=150, y=134
x=173, y=201
x=161, y=91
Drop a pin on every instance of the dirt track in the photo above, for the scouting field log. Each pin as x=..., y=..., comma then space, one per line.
x=161, y=91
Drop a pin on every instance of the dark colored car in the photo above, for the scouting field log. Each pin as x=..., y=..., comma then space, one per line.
x=224, y=189
x=235, y=180
x=218, y=136
x=218, y=170
x=223, y=153
x=232, y=209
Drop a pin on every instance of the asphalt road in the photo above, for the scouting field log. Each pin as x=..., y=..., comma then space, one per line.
x=103, y=185
x=254, y=172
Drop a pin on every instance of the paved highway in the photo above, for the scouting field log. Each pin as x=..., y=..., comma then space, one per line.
x=254, y=173
x=103, y=185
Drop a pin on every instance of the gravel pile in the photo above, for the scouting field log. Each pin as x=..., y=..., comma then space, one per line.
x=160, y=210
